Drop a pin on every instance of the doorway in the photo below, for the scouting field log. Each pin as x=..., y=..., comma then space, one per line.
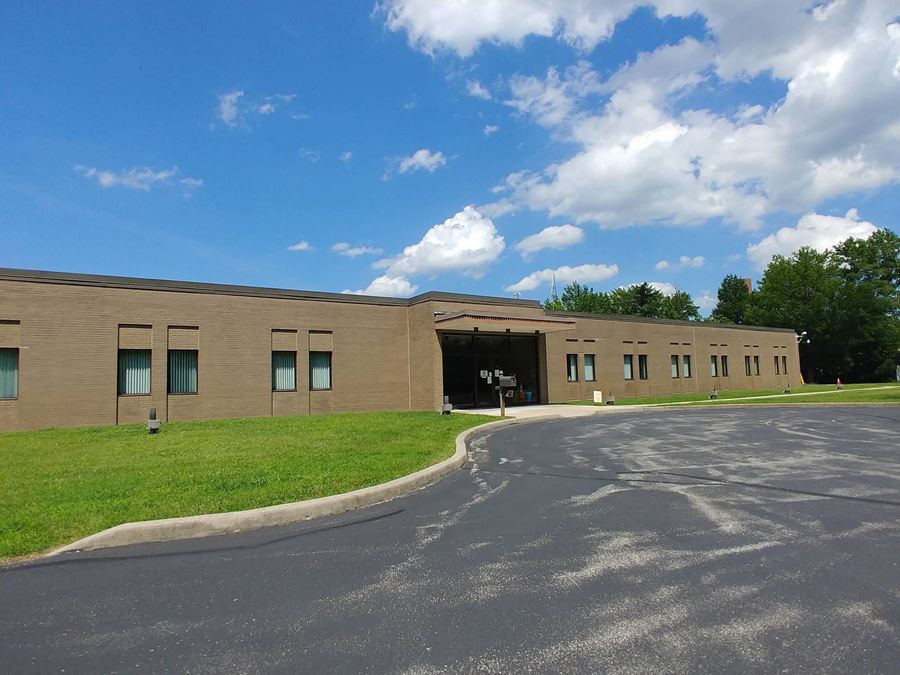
x=471, y=362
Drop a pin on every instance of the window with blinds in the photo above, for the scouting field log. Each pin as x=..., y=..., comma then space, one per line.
x=319, y=370
x=629, y=370
x=686, y=366
x=589, y=375
x=643, y=370
x=182, y=371
x=572, y=367
x=674, y=366
x=9, y=373
x=284, y=371
x=134, y=372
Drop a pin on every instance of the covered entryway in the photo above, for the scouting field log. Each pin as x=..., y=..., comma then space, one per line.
x=476, y=346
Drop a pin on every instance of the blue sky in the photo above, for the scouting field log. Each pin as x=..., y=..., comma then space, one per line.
x=671, y=142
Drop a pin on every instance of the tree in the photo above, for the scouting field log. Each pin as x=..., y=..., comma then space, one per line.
x=734, y=298
x=868, y=305
x=799, y=292
x=680, y=305
x=637, y=300
x=580, y=298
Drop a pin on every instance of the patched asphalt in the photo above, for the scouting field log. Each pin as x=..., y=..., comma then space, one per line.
x=742, y=539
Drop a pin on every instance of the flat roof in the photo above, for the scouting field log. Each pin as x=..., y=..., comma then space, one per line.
x=138, y=283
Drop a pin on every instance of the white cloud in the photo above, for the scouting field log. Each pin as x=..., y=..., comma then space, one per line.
x=465, y=243
x=554, y=236
x=310, y=155
x=344, y=248
x=463, y=25
x=478, y=90
x=684, y=262
x=664, y=287
x=300, y=246
x=137, y=178
x=422, y=159
x=490, y=129
x=265, y=108
x=385, y=285
x=734, y=257
x=834, y=132
x=346, y=156
x=706, y=301
x=814, y=230
x=564, y=275
x=228, y=107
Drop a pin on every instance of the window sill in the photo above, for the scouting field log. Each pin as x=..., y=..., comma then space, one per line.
x=283, y=391
x=329, y=389
x=134, y=395
x=7, y=398
x=183, y=393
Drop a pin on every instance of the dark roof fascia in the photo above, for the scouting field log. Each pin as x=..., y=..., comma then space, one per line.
x=669, y=322
x=438, y=296
x=137, y=283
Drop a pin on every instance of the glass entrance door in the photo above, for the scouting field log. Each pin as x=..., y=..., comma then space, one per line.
x=466, y=357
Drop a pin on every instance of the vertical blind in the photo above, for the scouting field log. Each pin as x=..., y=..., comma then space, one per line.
x=686, y=366
x=182, y=371
x=320, y=370
x=642, y=366
x=629, y=372
x=572, y=366
x=134, y=371
x=724, y=366
x=284, y=374
x=714, y=366
x=9, y=373
x=589, y=367
x=674, y=365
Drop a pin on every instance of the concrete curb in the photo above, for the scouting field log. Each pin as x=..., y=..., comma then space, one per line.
x=191, y=527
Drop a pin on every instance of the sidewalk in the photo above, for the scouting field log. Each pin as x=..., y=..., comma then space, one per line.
x=565, y=410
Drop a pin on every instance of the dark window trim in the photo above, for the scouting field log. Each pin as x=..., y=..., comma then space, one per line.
x=330, y=370
x=593, y=368
x=168, y=381
x=643, y=373
x=569, y=378
x=631, y=366
x=18, y=351
x=120, y=350
x=284, y=351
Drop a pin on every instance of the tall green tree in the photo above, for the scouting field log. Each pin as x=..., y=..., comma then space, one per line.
x=580, y=298
x=637, y=300
x=680, y=305
x=734, y=298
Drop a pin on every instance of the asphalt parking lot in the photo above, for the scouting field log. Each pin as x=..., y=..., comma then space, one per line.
x=750, y=539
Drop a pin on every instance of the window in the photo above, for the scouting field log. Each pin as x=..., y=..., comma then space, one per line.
x=674, y=366
x=784, y=365
x=134, y=372
x=756, y=363
x=319, y=370
x=747, y=365
x=284, y=371
x=629, y=370
x=686, y=365
x=642, y=366
x=589, y=375
x=182, y=371
x=777, y=369
x=572, y=367
x=9, y=373
x=714, y=366
x=724, y=365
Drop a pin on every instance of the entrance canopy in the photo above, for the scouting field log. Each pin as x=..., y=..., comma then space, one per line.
x=485, y=322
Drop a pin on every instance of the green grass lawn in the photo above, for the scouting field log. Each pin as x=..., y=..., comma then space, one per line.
x=848, y=395
x=724, y=395
x=59, y=485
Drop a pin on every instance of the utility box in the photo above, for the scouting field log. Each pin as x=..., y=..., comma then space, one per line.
x=598, y=396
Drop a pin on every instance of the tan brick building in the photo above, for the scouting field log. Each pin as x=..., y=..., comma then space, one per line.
x=81, y=349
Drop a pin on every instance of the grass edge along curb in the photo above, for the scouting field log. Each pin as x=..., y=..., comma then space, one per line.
x=206, y=525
